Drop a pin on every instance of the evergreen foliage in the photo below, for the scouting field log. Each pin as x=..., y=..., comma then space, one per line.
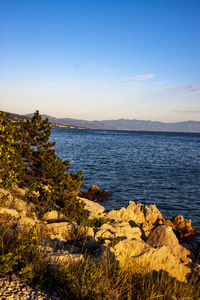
x=11, y=162
x=28, y=158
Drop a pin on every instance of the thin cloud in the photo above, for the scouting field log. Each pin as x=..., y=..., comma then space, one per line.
x=139, y=77
x=144, y=76
x=187, y=111
x=190, y=87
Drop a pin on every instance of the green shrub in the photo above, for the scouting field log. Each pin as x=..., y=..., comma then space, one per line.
x=28, y=158
x=11, y=162
x=96, y=222
x=17, y=250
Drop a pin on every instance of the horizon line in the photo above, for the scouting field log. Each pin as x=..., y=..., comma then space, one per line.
x=103, y=120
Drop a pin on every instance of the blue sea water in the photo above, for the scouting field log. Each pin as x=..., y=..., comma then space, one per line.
x=148, y=167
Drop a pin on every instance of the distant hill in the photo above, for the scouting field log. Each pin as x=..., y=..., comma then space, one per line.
x=19, y=118
x=126, y=124
x=121, y=124
x=16, y=117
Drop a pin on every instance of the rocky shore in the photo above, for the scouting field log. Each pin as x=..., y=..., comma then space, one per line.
x=136, y=236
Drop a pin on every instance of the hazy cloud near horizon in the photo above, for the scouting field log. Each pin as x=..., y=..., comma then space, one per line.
x=190, y=87
x=137, y=86
x=187, y=111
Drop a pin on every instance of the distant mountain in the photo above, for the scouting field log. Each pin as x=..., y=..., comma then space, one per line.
x=126, y=124
x=19, y=118
x=15, y=117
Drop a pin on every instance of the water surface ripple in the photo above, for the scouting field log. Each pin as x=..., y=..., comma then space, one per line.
x=147, y=167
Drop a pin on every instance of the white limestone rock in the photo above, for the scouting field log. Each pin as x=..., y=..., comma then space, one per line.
x=146, y=258
x=64, y=229
x=26, y=223
x=60, y=257
x=118, y=229
x=14, y=202
x=164, y=236
x=51, y=215
x=138, y=213
x=10, y=212
x=94, y=209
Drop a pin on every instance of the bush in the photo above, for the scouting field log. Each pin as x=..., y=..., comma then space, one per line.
x=28, y=159
x=11, y=162
x=17, y=250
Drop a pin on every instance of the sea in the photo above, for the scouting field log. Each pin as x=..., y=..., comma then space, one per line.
x=161, y=168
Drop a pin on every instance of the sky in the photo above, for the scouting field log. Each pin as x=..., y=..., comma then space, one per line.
x=101, y=59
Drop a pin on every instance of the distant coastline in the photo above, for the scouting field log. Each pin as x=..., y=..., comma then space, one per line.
x=128, y=125
x=19, y=118
x=120, y=124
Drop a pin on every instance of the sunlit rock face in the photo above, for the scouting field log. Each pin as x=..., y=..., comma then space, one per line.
x=136, y=236
x=147, y=217
x=94, y=209
x=118, y=229
x=183, y=227
x=164, y=236
x=145, y=258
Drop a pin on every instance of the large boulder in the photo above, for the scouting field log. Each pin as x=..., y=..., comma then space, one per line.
x=60, y=257
x=118, y=229
x=94, y=209
x=18, y=204
x=10, y=212
x=63, y=229
x=19, y=219
x=152, y=214
x=137, y=212
x=26, y=223
x=53, y=215
x=184, y=227
x=145, y=216
x=132, y=212
x=105, y=232
x=144, y=258
x=12, y=201
x=94, y=194
x=125, y=230
x=164, y=236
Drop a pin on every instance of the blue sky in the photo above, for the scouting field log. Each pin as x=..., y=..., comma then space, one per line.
x=101, y=59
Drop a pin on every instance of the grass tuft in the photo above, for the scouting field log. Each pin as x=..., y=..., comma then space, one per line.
x=21, y=254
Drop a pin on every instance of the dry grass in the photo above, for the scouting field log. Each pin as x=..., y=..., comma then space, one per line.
x=88, y=279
